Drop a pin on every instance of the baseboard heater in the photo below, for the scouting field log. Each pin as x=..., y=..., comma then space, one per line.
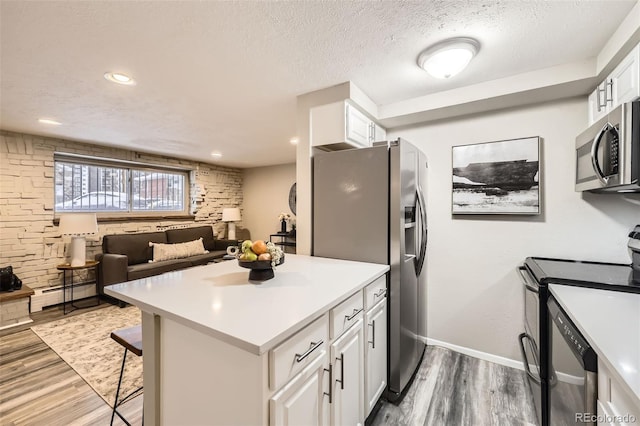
x=50, y=296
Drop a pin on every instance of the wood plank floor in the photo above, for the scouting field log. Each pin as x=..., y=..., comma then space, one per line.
x=454, y=389
x=38, y=388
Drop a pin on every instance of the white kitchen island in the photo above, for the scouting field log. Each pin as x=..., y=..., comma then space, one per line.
x=219, y=350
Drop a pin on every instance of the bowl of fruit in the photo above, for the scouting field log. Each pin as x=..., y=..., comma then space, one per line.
x=261, y=258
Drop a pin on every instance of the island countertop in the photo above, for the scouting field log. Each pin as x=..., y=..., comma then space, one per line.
x=219, y=300
x=610, y=321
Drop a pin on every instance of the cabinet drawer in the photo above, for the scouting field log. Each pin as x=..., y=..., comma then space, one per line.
x=291, y=356
x=346, y=314
x=375, y=292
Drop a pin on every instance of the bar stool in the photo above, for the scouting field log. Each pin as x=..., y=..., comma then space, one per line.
x=131, y=339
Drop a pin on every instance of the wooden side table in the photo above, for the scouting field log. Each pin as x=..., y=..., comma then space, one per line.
x=64, y=267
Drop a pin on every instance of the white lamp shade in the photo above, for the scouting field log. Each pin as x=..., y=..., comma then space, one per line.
x=231, y=214
x=78, y=224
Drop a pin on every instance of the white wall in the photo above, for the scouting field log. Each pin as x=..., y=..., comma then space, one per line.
x=474, y=295
x=266, y=195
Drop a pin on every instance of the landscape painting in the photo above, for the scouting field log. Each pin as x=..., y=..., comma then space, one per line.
x=497, y=177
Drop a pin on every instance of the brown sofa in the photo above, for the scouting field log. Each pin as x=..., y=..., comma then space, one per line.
x=126, y=257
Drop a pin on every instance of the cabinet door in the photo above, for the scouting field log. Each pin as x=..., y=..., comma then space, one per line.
x=347, y=357
x=357, y=127
x=378, y=133
x=626, y=78
x=300, y=402
x=597, y=106
x=375, y=354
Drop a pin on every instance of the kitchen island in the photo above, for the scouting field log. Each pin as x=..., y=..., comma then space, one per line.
x=218, y=347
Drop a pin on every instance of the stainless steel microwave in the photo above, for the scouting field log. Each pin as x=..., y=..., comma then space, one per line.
x=608, y=152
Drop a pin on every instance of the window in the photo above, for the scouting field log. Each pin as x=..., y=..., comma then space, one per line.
x=96, y=185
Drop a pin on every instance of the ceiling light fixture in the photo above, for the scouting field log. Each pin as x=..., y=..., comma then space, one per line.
x=294, y=141
x=447, y=58
x=49, y=121
x=117, y=77
x=216, y=154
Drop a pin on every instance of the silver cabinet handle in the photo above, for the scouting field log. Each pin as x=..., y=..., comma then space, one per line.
x=354, y=314
x=330, y=394
x=313, y=347
x=603, y=103
x=373, y=334
x=341, y=381
x=609, y=86
x=381, y=293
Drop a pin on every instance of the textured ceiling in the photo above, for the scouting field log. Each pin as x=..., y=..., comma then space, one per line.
x=224, y=76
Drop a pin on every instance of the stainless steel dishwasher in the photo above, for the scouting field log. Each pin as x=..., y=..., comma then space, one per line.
x=573, y=386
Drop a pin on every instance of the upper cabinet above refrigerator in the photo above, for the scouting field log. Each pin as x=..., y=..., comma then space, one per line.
x=341, y=125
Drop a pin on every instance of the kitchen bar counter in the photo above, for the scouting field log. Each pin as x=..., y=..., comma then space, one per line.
x=218, y=349
x=219, y=300
x=610, y=322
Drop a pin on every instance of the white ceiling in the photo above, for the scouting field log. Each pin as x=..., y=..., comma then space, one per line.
x=224, y=76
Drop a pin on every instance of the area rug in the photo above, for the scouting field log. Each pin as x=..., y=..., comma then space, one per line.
x=83, y=341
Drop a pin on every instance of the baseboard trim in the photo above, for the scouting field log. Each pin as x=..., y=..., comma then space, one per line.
x=508, y=362
x=4, y=327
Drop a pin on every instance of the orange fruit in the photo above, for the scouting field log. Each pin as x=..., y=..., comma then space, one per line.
x=259, y=247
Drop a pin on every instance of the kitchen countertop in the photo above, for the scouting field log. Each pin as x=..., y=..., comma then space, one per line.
x=610, y=322
x=219, y=300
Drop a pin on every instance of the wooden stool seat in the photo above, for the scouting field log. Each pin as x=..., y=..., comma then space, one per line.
x=131, y=339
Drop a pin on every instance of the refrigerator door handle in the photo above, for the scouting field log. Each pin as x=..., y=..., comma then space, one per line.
x=423, y=226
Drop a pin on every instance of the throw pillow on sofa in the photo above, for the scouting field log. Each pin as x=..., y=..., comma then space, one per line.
x=178, y=250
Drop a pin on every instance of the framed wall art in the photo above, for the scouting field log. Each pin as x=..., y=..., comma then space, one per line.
x=499, y=177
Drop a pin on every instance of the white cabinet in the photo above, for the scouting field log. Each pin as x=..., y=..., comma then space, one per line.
x=375, y=354
x=615, y=404
x=300, y=402
x=347, y=357
x=378, y=133
x=622, y=85
x=341, y=125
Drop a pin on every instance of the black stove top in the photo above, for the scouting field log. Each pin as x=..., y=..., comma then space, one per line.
x=606, y=276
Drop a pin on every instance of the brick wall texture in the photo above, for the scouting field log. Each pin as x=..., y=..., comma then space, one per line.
x=29, y=239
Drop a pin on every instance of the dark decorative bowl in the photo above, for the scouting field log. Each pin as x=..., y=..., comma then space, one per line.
x=261, y=270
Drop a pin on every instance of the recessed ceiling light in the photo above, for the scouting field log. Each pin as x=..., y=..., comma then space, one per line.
x=449, y=57
x=216, y=154
x=117, y=77
x=294, y=141
x=49, y=121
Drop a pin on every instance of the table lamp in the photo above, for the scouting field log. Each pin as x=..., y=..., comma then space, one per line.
x=78, y=225
x=231, y=215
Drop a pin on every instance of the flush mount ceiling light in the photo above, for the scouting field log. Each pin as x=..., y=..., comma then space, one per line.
x=216, y=154
x=49, y=121
x=449, y=57
x=117, y=77
x=294, y=141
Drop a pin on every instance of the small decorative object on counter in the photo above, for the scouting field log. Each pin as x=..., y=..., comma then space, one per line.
x=261, y=258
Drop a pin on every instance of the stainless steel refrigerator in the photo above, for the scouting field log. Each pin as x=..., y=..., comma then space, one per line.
x=369, y=205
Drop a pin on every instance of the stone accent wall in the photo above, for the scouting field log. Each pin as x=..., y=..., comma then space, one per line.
x=29, y=240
